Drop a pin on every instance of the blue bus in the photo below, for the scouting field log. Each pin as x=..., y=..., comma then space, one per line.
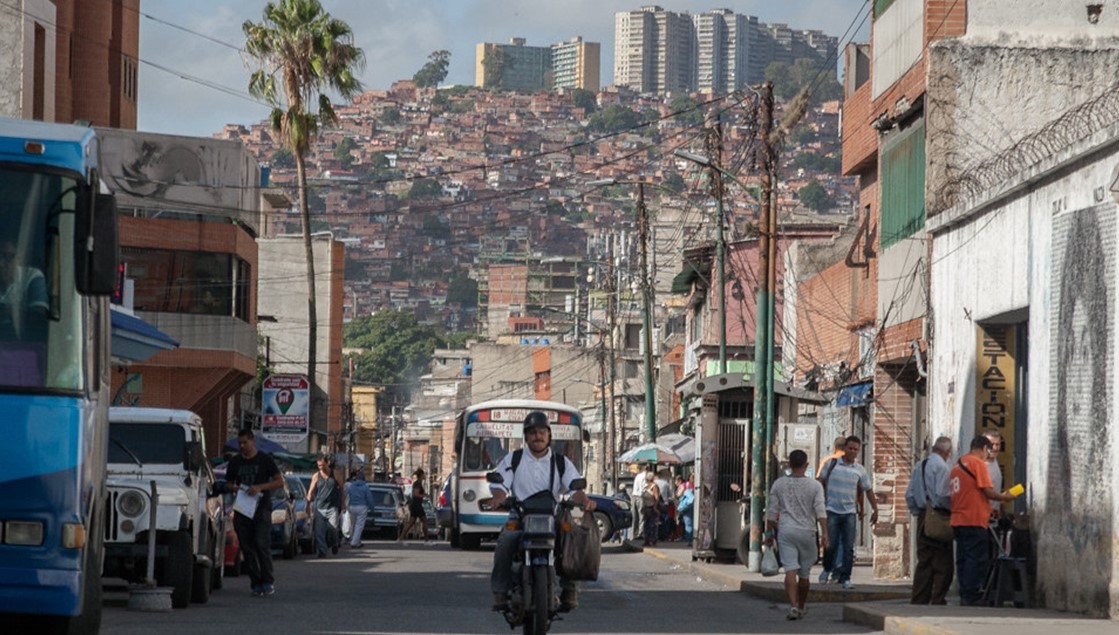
x=58, y=266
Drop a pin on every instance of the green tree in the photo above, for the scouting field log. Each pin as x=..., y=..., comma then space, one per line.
x=435, y=71
x=814, y=196
x=674, y=182
x=397, y=347
x=302, y=53
x=585, y=99
x=425, y=188
x=390, y=116
x=689, y=113
x=614, y=118
x=342, y=152
x=283, y=158
x=464, y=290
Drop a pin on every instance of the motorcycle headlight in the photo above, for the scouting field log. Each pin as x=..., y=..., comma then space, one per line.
x=539, y=524
x=130, y=504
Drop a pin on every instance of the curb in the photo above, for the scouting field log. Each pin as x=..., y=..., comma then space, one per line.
x=882, y=620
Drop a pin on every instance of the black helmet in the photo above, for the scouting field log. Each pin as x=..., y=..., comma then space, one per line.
x=536, y=419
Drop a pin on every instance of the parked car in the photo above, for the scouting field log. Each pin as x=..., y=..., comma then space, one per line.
x=432, y=522
x=284, y=537
x=387, y=498
x=304, y=519
x=612, y=514
x=444, y=509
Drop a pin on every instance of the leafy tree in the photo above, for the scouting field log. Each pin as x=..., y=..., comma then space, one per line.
x=390, y=116
x=585, y=99
x=690, y=114
x=435, y=71
x=614, y=118
x=436, y=227
x=458, y=340
x=674, y=182
x=397, y=347
x=342, y=152
x=425, y=188
x=464, y=290
x=816, y=163
x=283, y=159
x=302, y=53
x=814, y=196
x=378, y=161
x=789, y=79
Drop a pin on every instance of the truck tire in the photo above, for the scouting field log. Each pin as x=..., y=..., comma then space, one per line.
x=177, y=570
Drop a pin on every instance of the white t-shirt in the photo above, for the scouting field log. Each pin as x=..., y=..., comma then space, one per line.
x=533, y=475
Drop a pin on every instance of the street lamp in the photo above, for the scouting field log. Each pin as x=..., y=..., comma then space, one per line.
x=646, y=301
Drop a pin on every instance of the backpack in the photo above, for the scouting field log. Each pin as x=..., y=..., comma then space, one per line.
x=558, y=464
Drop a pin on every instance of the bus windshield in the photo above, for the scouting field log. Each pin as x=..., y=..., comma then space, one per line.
x=40, y=311
x=490, y=434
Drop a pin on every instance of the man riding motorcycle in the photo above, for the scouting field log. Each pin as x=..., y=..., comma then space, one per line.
x=536, y=469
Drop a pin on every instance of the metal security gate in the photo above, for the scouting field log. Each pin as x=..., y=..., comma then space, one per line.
x=733, y=435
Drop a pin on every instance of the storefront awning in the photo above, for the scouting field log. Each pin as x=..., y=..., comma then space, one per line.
x=855, y=395
x=134, y=340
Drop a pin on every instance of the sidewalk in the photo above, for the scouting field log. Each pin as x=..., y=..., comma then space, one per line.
x=884, y=604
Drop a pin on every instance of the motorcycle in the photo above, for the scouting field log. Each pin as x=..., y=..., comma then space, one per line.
x=533, y=602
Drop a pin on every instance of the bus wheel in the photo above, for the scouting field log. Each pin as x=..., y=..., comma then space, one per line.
x=456, y=540
x=470, y=542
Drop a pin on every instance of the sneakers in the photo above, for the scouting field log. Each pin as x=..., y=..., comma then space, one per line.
x=847, y=586
x=824, y=577
x=569, y=600
x=499, y=601
x=794, y=614
x=428, y=542
x=258, y=590
x=267, y=590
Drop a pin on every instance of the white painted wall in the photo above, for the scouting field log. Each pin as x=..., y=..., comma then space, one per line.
x=1039, y=22
x=1001, y=259
x=899, y=42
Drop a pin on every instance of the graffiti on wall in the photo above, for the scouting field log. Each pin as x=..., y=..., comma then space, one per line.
x=1077, y=526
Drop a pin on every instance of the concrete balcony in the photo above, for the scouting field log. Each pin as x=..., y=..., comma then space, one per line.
x=207, y=332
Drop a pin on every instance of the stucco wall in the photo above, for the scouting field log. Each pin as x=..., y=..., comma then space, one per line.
x=985, y=98
x=1047, y=247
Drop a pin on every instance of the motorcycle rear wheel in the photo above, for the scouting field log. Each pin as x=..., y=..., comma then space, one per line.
x=536, y=621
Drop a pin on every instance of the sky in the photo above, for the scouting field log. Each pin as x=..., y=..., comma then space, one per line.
x=193, y=77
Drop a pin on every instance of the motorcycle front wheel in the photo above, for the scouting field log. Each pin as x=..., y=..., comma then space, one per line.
x=536, y=622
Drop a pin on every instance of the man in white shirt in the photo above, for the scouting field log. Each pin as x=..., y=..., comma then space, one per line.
x=535, y=471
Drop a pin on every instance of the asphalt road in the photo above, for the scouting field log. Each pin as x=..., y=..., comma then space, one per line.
x=413, y=588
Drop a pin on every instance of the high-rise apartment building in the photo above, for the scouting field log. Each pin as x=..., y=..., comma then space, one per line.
x=658, y=51
x=654, y=50
x=575, y=64
x=513, y=66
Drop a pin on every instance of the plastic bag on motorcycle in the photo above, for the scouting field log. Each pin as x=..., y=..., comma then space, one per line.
x=579, y=546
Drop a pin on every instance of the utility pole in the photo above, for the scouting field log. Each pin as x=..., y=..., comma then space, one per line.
x=762, y=340
x=611, y=305
x=608, y=449
x=715, y=152
x=643, y=237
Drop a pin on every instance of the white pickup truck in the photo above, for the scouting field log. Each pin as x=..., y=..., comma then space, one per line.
x=163, y=446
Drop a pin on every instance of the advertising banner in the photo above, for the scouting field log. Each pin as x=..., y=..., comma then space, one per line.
x=285, y=407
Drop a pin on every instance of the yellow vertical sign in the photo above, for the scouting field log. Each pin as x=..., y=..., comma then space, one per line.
x=995, y=388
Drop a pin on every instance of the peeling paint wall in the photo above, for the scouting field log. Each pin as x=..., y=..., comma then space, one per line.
x=1048, y=248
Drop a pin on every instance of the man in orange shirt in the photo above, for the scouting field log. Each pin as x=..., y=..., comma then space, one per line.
x=972, y=491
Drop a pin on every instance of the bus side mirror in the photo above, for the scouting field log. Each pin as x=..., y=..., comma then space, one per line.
x=96, y=247
x=495, y=477
x=586, y=436
x=579, y=483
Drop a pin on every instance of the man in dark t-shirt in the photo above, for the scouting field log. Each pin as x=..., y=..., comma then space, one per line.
x=256, y=473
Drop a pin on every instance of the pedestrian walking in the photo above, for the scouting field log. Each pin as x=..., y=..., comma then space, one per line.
x=651, y=511
x=360, y=500
x=971, y=488
x=416, y=513
x=795, y=512
x=325, y=499
x=257, y=474
x=928, y=488
x=845, y=481
x=640, y=479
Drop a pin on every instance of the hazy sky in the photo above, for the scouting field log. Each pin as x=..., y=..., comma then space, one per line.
x=397, y=36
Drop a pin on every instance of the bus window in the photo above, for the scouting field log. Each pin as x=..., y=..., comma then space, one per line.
x=485, y=453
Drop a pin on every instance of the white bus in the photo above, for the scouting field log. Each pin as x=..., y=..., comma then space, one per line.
x=484, y=434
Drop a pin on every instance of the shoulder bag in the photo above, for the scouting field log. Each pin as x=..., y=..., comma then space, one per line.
x=938, y=525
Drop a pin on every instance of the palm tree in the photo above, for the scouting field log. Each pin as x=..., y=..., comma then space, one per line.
x=302, y=51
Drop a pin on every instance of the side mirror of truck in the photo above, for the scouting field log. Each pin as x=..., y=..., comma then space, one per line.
x=192, y=456
x=579, y=483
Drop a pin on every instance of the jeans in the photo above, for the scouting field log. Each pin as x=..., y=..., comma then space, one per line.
x=687, y=518
x=840, y=555
x=501, y=579
x=359, y=514
x=972, y=556
x=255, y=536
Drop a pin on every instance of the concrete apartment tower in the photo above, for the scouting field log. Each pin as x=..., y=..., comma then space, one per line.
x=726, y=56
x=575, y=64
x=654, y=50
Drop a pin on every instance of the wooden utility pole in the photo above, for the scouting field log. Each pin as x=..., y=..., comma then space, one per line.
x=715, y=153
x=646, y=302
